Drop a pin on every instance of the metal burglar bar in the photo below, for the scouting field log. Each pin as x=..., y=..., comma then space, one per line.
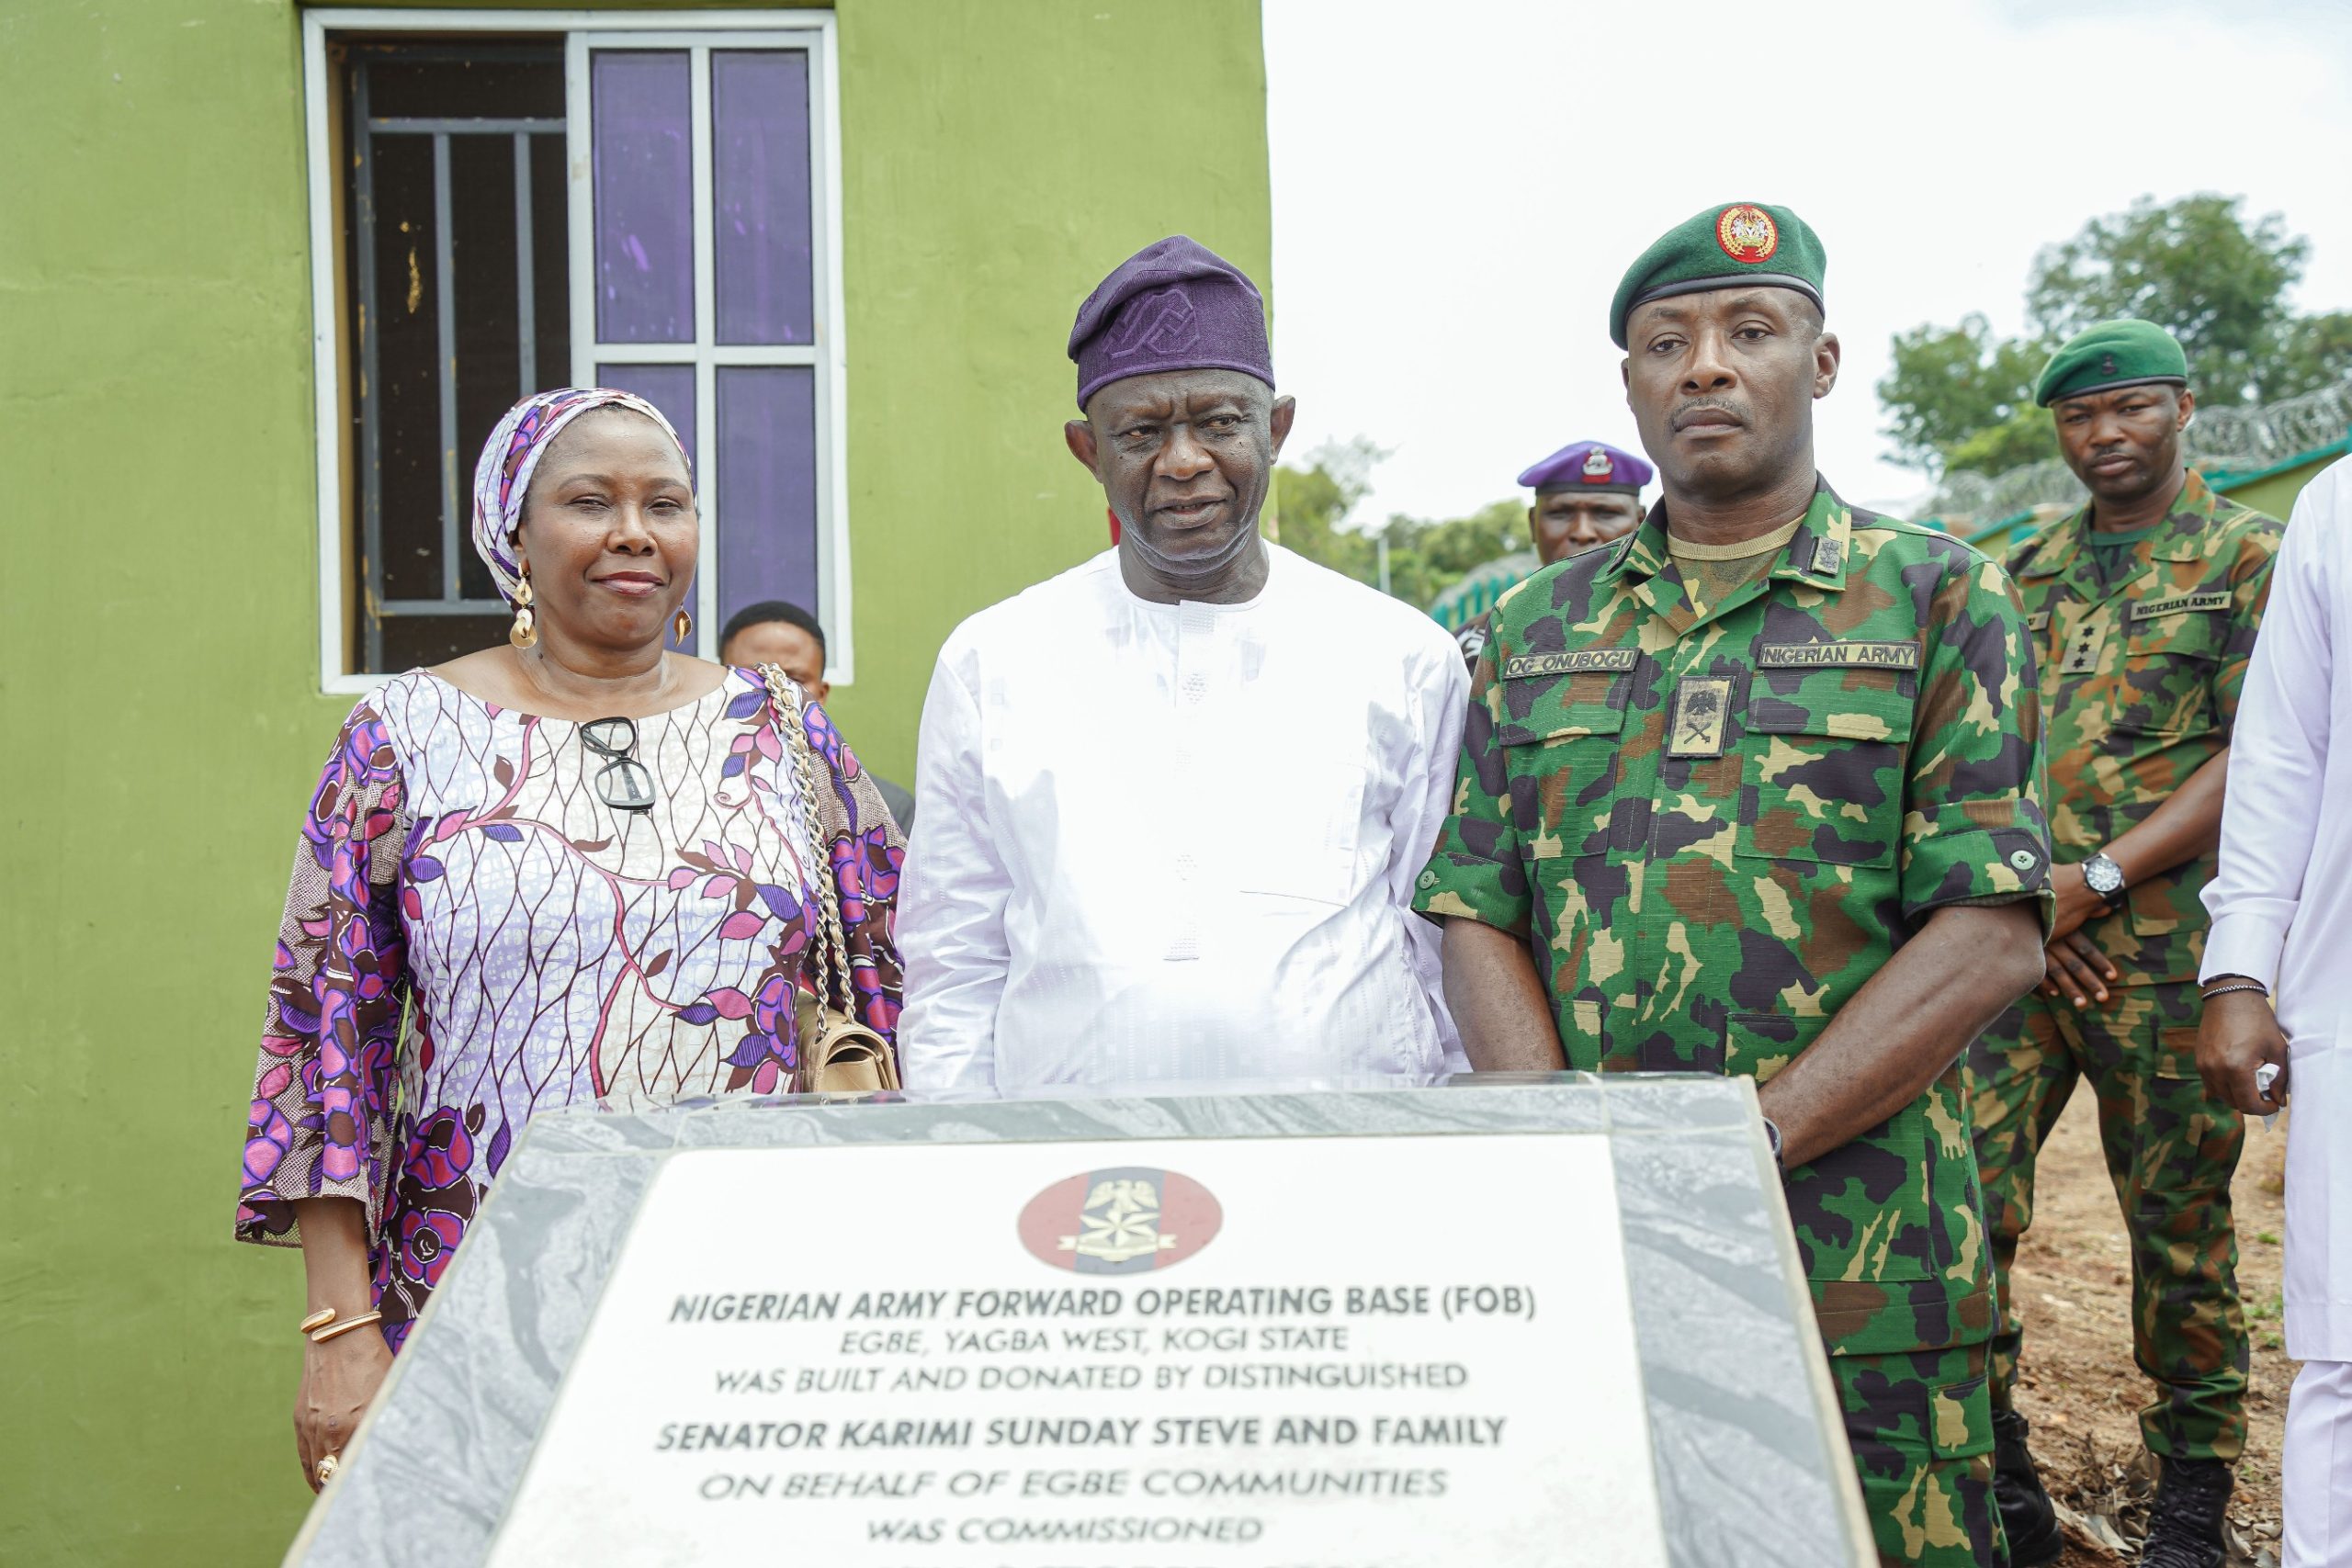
x=444, y=133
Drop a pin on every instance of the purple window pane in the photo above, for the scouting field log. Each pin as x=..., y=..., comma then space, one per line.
x=759, y=172
x=767, y=485
x=671, y=388
x=642, y=115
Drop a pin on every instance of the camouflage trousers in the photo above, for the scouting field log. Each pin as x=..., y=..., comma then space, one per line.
x=1920, y=1424
x=2170, y=1151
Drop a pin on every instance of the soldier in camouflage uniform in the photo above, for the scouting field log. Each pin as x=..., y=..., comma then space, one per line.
x=1749, y=796
x=2142, y=605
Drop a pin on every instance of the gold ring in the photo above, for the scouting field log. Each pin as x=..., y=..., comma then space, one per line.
x=325, y=1469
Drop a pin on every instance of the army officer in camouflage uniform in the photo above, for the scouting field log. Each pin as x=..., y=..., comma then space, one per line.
x=1757, y=792
x=2142, y=605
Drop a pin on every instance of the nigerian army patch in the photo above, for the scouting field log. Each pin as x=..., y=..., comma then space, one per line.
x=2178, y=604
x=1846, y=655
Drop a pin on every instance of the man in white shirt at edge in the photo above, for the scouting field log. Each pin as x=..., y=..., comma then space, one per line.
x=2282, y=928
x=1173, y=801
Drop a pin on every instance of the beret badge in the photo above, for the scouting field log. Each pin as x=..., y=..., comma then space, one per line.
x=1747, y=233
x=2107, y=365
x=1596, y=464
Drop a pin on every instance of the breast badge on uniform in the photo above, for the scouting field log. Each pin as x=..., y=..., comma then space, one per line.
x=1701, y=716
x=1747, y=233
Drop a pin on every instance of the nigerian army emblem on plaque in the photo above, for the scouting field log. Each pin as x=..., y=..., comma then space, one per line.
x=1127, y=1220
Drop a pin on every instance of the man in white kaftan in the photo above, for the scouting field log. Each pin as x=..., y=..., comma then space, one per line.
x=1172, y=802
x=2283, y=940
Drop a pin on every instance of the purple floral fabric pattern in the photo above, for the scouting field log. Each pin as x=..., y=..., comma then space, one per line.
x=457, y=867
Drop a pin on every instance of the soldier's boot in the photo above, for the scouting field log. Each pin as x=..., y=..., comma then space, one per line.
x=2185, y=1526
x=2028, y=1517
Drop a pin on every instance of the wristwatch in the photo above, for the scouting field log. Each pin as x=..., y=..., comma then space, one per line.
x=2103, y=877
x=1772, y=1136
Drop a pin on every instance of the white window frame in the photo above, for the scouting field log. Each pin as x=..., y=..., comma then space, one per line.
x=699, y=32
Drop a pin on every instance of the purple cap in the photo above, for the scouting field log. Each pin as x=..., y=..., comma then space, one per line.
x=1593, y=463
x=1175, y=305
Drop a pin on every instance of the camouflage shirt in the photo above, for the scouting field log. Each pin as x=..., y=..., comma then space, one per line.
x=1712, y=827
x=2140, y=681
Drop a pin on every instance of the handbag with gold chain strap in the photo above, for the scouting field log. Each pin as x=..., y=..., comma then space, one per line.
x=838, y=1055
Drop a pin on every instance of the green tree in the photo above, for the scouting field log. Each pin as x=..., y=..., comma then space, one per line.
x=1312, y=506
x=2192, y=265
x=1959, y=399
x=1948, y=383
x=2313, y=351
x=1424, y=558
x=2027, y=435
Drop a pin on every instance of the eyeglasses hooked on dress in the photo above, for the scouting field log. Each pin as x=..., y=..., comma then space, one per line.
x=623, y=783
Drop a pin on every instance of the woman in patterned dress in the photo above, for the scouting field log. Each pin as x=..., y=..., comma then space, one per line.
x=571, y=862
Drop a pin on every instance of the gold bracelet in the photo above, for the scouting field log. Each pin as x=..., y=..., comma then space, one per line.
x=345, y=1326
x=317, y=1319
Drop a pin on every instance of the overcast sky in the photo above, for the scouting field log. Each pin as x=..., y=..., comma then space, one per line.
x=1457, y=188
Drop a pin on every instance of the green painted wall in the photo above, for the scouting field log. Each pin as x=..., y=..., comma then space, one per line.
x=2274, y=489
x=158, y=615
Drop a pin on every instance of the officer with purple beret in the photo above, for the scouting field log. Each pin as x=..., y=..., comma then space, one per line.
x=1587, y=494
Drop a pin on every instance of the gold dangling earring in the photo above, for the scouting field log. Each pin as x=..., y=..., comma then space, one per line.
x=684, y=625
x=523, y=633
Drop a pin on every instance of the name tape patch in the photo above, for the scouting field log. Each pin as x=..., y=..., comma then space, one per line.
x=2179, y=604
x=1584, y=659
x=1837, y=655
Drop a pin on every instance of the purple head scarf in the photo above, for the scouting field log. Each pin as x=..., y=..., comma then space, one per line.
x=1176, y=305
x=511, y=456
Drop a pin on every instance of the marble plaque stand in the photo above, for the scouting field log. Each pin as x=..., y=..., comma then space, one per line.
x=1749, y=1459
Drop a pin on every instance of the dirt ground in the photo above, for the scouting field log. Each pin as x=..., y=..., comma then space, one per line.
x=2078, y=1385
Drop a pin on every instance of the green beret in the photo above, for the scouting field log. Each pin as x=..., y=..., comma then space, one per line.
x=2113, y=354
x=1723, y=247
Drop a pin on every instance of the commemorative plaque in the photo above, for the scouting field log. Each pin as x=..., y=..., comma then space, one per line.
x=1547, y=1322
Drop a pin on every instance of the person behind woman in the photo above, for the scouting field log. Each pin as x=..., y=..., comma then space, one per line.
x=577, y=863
x=778, y=632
